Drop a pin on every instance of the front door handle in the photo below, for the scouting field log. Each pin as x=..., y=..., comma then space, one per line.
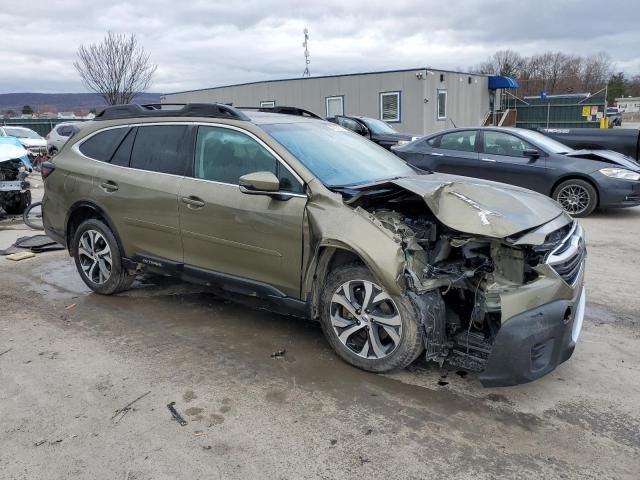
x=437, y=154
x=193, y=202
x=488, y=160
x=109, y=186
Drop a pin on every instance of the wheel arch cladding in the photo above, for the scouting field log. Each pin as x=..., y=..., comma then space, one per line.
x=364, y=241
x=84, y=210
x=327, y=260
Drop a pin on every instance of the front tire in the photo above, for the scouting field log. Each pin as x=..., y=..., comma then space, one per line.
x=577, y=197
x=367, y=327
x=98, y=258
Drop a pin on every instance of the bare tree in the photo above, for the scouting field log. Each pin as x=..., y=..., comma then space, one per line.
x=503, y=62
x=633, y=88
x=118, y=69
x=552, y=72
x=596, y=71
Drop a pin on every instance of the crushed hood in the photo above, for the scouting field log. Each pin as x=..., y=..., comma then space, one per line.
x=481, y=207
x=10, y=151
x=608, y=156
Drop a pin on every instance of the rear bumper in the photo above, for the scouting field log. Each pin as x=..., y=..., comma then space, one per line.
x=533, y=343
x=49, y=229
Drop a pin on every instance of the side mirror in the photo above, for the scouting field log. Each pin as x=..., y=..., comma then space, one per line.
x=532, y=153
x=259, y=183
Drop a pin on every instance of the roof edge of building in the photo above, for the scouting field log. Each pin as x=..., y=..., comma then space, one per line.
x=326, y=76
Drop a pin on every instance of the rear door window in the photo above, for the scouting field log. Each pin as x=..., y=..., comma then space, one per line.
x=464, y=141
x=161, y=148
x=102, y=145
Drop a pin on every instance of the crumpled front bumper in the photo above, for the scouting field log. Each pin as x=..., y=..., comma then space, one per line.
x=533, y=343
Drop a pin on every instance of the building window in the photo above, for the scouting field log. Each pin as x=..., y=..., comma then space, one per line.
x=335, y=106
x=442, y=104
x=268, y=104
x=390, y=106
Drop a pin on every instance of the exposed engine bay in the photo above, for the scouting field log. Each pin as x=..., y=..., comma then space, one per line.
x=454, y=279
x=13, y=183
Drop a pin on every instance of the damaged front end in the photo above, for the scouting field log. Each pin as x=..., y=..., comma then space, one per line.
x=13, y=183
x=497, y=288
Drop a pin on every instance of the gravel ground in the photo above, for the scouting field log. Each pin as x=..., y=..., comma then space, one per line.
x=71, y=360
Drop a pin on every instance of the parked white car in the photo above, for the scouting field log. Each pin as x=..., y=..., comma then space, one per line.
x=59, y=134
x=34, y=143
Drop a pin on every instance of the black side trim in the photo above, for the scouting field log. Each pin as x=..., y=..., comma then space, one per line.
x=261, y=294
x=159, y=264
x=232, y=283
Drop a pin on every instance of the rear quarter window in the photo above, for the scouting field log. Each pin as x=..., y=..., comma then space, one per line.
x=102, y=145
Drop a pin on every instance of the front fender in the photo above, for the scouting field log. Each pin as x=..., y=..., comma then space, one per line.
x=334, y=225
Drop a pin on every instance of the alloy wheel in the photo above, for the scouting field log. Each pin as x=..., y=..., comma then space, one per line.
x=95, y=257
x=366, y=319
x=574, y=199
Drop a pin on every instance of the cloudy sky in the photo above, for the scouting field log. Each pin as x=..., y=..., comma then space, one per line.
x=202, y=43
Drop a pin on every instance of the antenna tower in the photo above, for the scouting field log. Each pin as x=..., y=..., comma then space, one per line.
x=307, y=59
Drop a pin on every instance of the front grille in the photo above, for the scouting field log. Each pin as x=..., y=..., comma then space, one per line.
x=567, y=259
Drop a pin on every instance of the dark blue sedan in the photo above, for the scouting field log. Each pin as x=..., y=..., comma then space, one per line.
x=580, y=180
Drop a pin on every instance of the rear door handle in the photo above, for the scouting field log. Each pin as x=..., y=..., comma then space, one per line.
x=488, y=160
x=437, y=154
x=193, y=202
x=109, y=186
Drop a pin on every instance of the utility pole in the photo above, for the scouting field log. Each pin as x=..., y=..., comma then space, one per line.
x=307, y=59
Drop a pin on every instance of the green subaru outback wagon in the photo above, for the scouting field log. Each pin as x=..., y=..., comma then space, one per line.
x=321, y=223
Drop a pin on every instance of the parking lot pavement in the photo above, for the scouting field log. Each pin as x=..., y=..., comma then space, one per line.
x=70, y=360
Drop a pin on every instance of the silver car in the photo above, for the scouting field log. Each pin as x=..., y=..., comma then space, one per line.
x=59, y=135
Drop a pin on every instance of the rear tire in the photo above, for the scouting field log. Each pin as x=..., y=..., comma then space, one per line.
x=98, y=258
x=367, y=327
x=577, y=197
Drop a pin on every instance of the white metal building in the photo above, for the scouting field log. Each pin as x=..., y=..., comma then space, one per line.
x=629, y=104
x=416, y=101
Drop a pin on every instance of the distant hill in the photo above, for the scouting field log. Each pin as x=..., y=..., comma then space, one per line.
x=61, y=102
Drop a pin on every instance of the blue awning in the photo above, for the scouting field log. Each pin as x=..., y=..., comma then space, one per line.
x=498, y=81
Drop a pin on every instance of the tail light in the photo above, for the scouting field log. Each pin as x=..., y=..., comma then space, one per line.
x=46, y=169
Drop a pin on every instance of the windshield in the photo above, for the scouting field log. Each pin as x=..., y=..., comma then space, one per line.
x=337, y=156
x=378, y=126
x=21, y=133
x=547, y=144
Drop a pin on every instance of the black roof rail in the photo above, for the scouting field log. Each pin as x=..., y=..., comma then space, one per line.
x=286, y=110
x=214, y=110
